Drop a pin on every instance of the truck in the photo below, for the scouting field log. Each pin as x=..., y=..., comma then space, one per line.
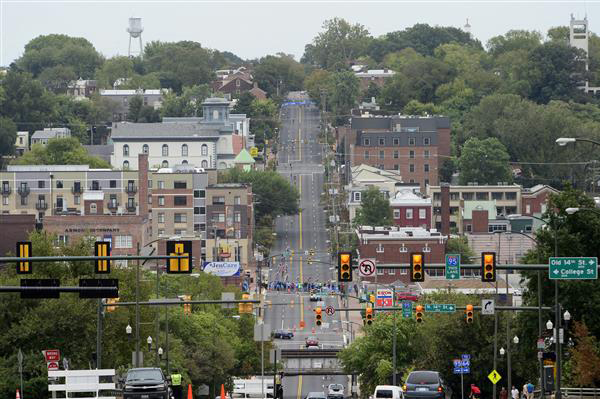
x=146, y=383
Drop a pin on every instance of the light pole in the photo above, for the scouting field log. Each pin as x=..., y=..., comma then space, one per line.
x=563, y=141
x=572, y=211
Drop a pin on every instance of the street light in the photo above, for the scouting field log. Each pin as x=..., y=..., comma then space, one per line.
x=549, y=325
x=149, y=341
x=160, y=353
x=567, y=316
x=502, y=351
x=571, y=211
x=516, y=340
x=128, y=330
x=563, y=141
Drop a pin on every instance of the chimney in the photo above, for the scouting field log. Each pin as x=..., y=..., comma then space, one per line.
x=143, y=184
x=445, y=197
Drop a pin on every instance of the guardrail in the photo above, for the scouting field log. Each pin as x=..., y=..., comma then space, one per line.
x=309, y=353
x=591, y=393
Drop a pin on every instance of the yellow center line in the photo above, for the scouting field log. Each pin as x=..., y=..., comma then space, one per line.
x=301, y=298
x=299, y=395
x=300, y=212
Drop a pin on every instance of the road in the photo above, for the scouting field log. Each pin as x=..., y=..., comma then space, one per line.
x=300, y=160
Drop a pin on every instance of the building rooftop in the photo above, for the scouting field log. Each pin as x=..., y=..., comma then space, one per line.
x=123, y=92
x=50, y=132
x=49, y=168
x=407, y=196
x=127, y=130
x=398, y=233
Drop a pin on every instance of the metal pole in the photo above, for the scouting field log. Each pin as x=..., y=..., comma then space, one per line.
x=157, y=313
x=394, y=339
x=167, y=338
x=275, y=373
x=495, y=342
x=20, y=359
x=509, y=382
x=462, y=385
x=557, y=319
x=137, y=309
x=99, y=336
x=262, y=357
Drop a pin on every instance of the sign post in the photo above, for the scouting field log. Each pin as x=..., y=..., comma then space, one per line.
x=452, y=267
x=462, y=366
x=573, y=268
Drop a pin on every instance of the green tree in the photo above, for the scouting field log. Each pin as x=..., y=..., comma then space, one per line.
x=460, y=245
x=53, y=50
x=189, y=103
x=514, y=40
x=8, y=136
x=138, y=112
x=278, y=74
x=585, y=363
x=263, y=117
x=338, y=44
x=344, y=95
x=62, y=151
x=374, y=209
x=316, y=82
x=484, y=161
x=114, y=68
x=57, y=78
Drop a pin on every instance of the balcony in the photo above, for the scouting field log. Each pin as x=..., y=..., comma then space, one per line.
x=6, y=190
x=76, y=190
x=41, y=205
x=23, y=191
x=132, y=208
x=130, y=189
x=112, y=205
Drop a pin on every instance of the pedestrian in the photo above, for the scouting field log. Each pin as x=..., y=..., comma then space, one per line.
x=503, y=393
x=176, y=385
x=514, y=393
x=530, y=389
x=524, y=391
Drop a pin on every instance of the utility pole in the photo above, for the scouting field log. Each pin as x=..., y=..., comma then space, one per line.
x=137, y=308
x=394, y=340
x=99, y=335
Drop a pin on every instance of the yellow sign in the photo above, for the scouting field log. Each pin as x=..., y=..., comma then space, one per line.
x=254, y=151
x=494, y=377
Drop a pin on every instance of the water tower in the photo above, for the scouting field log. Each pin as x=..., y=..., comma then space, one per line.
x=135, y=31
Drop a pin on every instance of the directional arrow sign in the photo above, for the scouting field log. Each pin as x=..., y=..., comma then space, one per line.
x=573, y=268
x=452, y=267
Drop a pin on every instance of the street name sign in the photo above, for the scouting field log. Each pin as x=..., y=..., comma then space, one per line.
x=452, y=267
x=494, y=377
x=573, y=268
x=440, y=307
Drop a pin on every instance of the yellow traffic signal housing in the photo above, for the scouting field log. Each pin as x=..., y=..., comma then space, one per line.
x=419, y=314
x=344, y=266
x=417, y=267
x=371, y=298
x=110, y=301
x=187, y=308
x=245, y=307
x=179, y=248
x=24, y=251
x=369, y=315
x=102, y=248
x=469, y=314
x=488, y=267
x=318, y=317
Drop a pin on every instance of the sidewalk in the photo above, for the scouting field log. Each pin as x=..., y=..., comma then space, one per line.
x=354, y=317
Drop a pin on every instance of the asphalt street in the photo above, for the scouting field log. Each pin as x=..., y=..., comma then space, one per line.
x=300, y=159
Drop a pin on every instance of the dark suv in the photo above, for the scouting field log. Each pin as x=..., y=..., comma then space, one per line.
x=146, y=383
x=426, y=385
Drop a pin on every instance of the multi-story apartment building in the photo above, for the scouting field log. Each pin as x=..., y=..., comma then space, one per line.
x=212, y=141
x=122, y=98
x=414, y=146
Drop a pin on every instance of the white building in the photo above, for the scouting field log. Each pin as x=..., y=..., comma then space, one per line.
x=212, y=141
x=22, y=143
x=365, y=176
x=42, y=136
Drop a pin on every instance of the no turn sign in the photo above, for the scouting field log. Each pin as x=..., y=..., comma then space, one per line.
x=366, y=267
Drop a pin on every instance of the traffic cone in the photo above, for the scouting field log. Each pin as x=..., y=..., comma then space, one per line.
x=222, y=391
x=190, y=396
x=18, y=394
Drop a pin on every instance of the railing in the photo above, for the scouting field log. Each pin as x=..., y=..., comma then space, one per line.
x=112, y=205
x=41, y=205
x=23, y=191
x=131, y=189
x=76, y=190
x=6, y=190
x=132, y=208
x=591, y=393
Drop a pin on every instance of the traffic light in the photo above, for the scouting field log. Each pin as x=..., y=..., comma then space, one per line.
x=111, y=301
x=344, y=266
x=187, y=307
x=181, y=248
x=318, y=317
x=369, y=315
x=312, y=252
x=102, y=248
x=245, y=307
x=24, y=251
x=469, y=314
x=488, y=267
x=372, y=298
x=419, y=313
x=417, y=267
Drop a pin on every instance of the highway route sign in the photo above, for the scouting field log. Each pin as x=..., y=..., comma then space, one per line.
x=573, y=268
x=452, y=267
x=461, y=366
x=488, y=306
x=407, y=308
x=494, y=377
x=440, y=307
x=329, y=311
x=366, y=267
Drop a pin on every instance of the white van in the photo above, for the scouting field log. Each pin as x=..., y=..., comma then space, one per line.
x=388, y=392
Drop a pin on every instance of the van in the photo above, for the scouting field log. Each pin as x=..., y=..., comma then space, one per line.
x=388, y=392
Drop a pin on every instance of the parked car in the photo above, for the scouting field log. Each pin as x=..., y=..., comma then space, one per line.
x=311, y=341
x=335, y=391
x=426, y=385
x=316, y=297
x=388, y=392
x=283, y=334
x=142, y=383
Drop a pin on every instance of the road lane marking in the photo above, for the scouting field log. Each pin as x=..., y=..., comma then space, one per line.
x=300, y=213
x=299, y=395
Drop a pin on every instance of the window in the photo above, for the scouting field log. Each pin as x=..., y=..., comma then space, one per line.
x=180, y=184
x=396, y=166
x=123, y=242
x=468, y=196
x=165, y=150
x=381, y=141
x=237, y=82
x=59, y=202
x=404, y=271
x=23, y=200
x=180, y=232
x=113, y=184
x=237, y=200
x=497, y=195
x=161, y=201
x=356, y=196
x=496, y=227
x=396, y=213
x=41, y=183
x=366, y=142
x=426, y=167
x=367, y=154
x=131, y=203
x=426, y=154
x=199, y=193
x=165, y=164
x=184, y=162
x=218, y=201
x=511, y=196
x=161, y=232
x=381, y=154
x=202, y=210
x=391, y=272
x=4, y=200
x=381, y=166
x=422, y=213
x=411, y=154
x=93, y=208
x=528, y=208
x=218, y=217
x=426, y=182
x=380, y=249
x=180, y=200
x=204, y=150
x=196, y=228
x=161, y=185
x=204, y=163
x=150, y=199
x=161, y=217
x=396, y=141
x=196, y=210
x=59, y=184
x=396, y=154
x=149, y=183
x=145, y=149
x=380, y=271
x=125, y=150
x=180, y=218
x=125, y=164
x=411, y=141
x=426, y=141
x=184, y=150
x=482, y=196
x=409, y=213
x=77, y=200
x=237, y=217
x=411, y=167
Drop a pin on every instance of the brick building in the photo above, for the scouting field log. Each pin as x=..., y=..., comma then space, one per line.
x=392, y=246
x=415, y=146
x=410, y=209
x=15, y=228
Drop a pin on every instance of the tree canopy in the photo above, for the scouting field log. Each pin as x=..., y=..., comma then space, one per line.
x=374, y=209
x=484, y=162
x=61, y=151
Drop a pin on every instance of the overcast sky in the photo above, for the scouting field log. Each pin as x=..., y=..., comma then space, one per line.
x=252, y=29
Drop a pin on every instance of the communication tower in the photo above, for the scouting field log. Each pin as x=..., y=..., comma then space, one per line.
x=135, y=32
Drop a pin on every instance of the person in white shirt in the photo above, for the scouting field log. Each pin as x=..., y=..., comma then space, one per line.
x=514, y=393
